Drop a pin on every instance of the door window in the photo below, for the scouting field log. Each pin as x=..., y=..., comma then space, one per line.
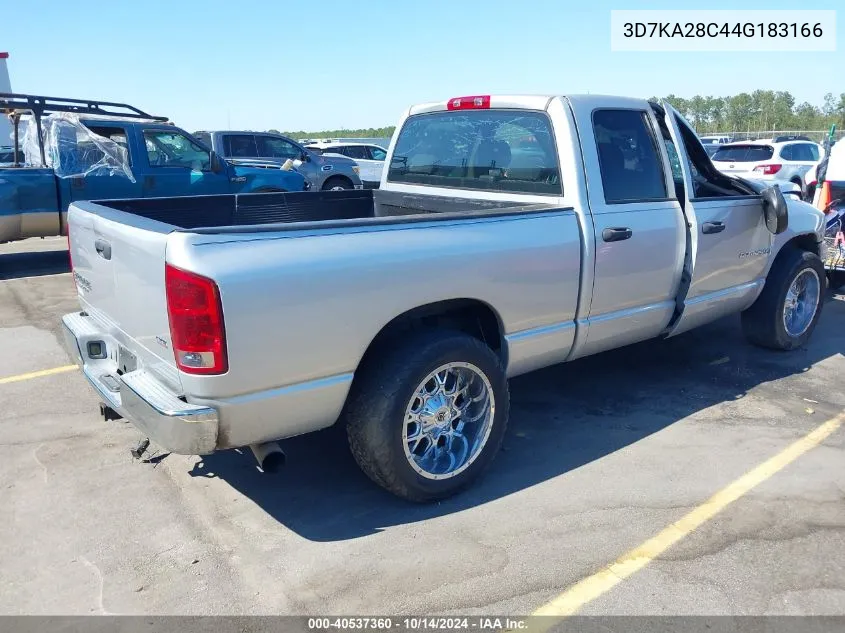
x=377, y=153
x=357, y=151
x=116, y=135
x=789, y=152
x=631, y=168
x=173, y=149
x=272, y=147
x=806, y=153
x=239, y=146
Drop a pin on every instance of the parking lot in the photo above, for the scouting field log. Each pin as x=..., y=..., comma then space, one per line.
x=601, y=455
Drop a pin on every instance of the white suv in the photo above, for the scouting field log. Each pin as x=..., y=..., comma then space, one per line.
x=784, y=158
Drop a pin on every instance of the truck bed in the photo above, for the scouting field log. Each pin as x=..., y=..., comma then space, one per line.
x=288, y=288
x=257, y=211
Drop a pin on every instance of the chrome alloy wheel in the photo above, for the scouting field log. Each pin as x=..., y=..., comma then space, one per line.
x=802, y=301
x=448, y=420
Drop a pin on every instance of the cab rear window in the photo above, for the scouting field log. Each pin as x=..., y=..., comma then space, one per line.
x=489, y=150
x=744, y=153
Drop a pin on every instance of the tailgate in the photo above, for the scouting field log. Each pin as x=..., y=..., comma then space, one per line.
x=118, y=266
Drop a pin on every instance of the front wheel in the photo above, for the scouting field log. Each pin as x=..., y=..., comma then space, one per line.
x=427, y=419
x=337, y=184
x=786, y=312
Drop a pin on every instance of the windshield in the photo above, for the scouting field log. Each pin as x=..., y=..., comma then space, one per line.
x=744, y=153
x=498, y=150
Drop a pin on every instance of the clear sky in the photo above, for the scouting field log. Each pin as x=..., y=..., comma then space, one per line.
x=327, y=64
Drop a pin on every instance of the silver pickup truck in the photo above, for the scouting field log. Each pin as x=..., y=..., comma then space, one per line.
x=508, y=234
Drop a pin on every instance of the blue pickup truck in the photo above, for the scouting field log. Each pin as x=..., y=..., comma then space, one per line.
x=66, y=150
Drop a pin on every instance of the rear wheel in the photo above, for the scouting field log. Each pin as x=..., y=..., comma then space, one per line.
x=786, y=312
x=337, y=183
x=427, y=419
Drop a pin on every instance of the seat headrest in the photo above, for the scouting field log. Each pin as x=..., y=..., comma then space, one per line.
x=612, y=157
x=492, y=152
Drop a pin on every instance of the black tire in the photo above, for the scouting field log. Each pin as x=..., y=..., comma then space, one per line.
x=337, y=182
x=835, y=279
x=375, y=411
x=763, y=323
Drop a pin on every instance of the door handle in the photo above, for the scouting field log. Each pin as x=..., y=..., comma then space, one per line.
x=103, y=249
x=616, y=234
x=712, y=227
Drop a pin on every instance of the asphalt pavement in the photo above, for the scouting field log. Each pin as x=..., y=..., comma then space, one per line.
x=601, y=455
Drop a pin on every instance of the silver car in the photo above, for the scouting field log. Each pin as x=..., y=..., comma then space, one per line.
x=322, y=172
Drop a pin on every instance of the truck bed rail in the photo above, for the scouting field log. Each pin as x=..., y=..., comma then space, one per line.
x=193, y=212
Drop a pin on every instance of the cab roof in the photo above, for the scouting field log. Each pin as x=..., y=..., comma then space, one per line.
x=520, y=102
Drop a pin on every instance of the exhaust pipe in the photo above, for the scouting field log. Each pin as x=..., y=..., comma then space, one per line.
x=269, y=455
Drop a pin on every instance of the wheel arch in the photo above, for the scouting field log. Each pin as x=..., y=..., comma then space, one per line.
x=471, y=316
x=803, y=242
x=336, y=177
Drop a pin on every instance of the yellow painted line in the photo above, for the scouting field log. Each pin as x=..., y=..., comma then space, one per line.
x=590, y=588
x=37, y=374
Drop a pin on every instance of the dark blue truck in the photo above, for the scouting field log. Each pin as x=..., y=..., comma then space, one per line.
x=67, y=150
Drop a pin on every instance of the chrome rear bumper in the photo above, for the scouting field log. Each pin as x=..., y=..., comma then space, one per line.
x=138, y=396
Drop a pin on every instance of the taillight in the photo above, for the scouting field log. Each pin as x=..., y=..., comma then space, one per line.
x=768, y=169
x=196, y=322
x=478, y=102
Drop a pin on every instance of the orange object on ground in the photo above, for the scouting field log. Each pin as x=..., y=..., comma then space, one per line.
x=824, y=197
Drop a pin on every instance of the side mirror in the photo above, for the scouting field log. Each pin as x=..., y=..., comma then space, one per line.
x=775, y=210
x=305, y=158
x=217, y=164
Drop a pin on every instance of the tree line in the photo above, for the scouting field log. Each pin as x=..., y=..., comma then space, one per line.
x=759, y=111
x=370, y=132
